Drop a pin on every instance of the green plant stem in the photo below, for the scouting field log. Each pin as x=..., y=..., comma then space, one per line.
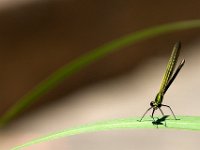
x=185, y=122
x=84, y=60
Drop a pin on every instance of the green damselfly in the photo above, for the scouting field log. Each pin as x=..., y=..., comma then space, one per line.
x=168, y=78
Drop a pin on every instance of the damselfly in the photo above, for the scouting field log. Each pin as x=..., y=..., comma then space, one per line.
x=168, y=78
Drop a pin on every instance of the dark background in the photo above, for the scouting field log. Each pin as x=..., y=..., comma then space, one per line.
x=38, y=37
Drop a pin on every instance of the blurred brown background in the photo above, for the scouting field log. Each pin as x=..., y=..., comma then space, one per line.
x=37, y=37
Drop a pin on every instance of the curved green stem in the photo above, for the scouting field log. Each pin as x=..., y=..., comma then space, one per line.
x=84, y=60
x=185, y=122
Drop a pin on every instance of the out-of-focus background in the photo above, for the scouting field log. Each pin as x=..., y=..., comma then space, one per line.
x=37, y=37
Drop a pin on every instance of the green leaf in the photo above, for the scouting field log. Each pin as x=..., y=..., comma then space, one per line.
x=185, y=123
x=66, y=71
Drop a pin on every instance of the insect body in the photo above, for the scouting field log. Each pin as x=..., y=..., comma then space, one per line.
x=168, y=78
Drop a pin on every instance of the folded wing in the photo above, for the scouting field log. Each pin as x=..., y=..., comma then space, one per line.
x=170, y=67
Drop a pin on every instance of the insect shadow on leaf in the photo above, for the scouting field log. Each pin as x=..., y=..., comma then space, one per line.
x=160, y=121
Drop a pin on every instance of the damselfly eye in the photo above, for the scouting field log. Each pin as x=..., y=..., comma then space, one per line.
x=159, y=105
x=152, y=103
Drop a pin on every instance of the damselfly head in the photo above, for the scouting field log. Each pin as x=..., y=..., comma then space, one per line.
x=155, y=105
x=152, y=103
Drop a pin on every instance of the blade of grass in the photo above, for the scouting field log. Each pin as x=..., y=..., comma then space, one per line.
x=185, y=122
x=84, y=60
